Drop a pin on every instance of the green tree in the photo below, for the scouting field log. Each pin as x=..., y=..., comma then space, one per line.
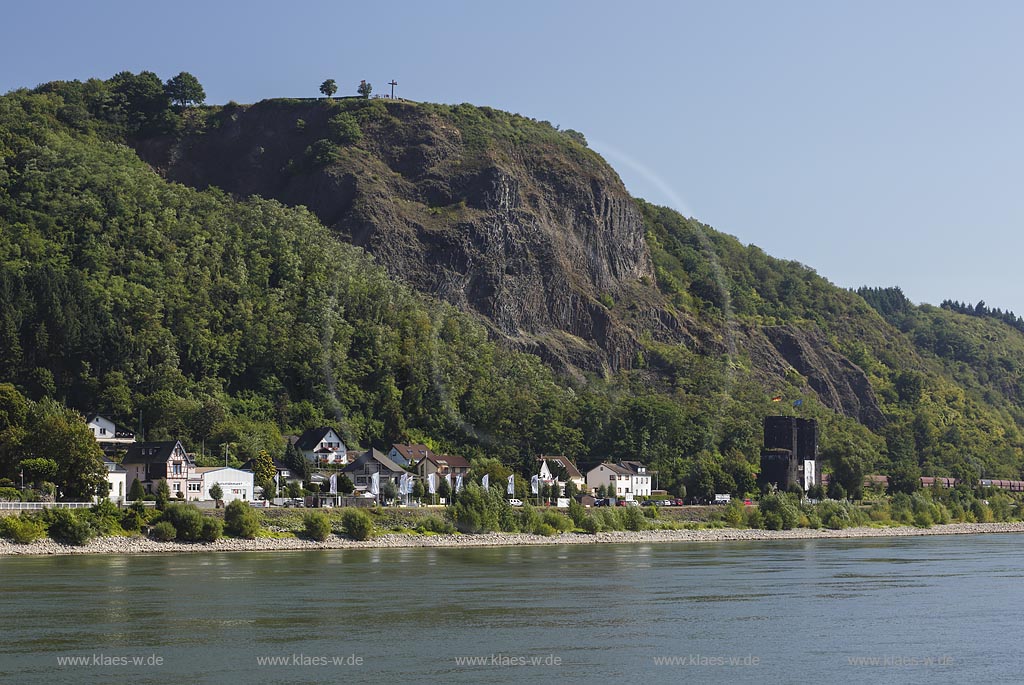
x=61, y=435
x=163, y=494
x=38, y=470
x=345, y=485
x=323, y=153
x=364, y=89
x=139, y=102
x=296, y=461
x=444, y=491
x=847, y=464
x=136, y=492
x=329, y=88
x=14, y=410
x=344, y=129
x=419, y=490
x=904, y=476
x=185, y=90
x=263, y=468
x=216, y=492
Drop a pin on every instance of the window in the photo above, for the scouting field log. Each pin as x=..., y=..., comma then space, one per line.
x=103, y=431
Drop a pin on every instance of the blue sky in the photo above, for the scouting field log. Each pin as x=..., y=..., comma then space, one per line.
x=880, y=143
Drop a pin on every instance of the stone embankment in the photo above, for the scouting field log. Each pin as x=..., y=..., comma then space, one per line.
x=141, y=545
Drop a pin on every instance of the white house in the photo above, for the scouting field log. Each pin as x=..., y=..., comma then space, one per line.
x=117, y=481
x=323, y=445
x=559, y=470
x=110, y=438
x=640, y=481
x=234, y=483
x=627, y=480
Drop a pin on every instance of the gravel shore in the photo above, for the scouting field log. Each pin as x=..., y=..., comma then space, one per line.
x=141, y=545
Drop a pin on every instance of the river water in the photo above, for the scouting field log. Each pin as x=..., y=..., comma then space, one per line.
x=904, y=610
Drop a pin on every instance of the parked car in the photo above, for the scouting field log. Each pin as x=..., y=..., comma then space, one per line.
x=679, y=502
x=516, y=502
x=601, y=502
x=649, y=503
x=620, y=503
x=631, y=503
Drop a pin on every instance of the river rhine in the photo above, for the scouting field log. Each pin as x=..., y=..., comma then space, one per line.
x=906, y=610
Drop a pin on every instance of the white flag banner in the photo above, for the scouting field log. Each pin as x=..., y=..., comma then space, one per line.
x=432, y=483
x=334, y=484
x=512, y=484
x=448, y=479
x=486, y=482
x=535, y=485
x=375, y=484
x=403, y=483
x=277, y=481
x=458, y=483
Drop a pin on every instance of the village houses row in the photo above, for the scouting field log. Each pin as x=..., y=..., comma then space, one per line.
x=151, y=462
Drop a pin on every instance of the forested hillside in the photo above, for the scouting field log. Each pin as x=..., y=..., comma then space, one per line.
x=234, y=319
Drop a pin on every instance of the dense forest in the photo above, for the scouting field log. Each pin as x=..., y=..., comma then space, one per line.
x=228, y=322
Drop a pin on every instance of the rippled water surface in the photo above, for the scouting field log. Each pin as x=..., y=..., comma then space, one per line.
x=793, y=611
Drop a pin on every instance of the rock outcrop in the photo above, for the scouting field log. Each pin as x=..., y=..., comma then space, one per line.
x=500, y=215
x=542, y=240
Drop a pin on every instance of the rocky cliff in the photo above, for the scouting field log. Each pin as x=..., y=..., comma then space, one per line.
x=498, y=214
x=539, y=237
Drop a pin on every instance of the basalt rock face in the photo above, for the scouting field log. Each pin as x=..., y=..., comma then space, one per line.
x=499, y=215
x=839, y=383
x=536, y=234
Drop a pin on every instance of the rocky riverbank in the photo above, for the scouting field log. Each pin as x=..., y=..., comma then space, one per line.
x=141, y=545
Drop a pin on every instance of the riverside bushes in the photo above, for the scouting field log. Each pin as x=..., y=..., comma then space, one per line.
x=22, y=529
x=163, y=532
x=357, y=524
x=316, y=526
x=482, y=511
x=212, y=530
x=186, y=519
x=435, y=524
x=779, y=510
x=240, y=521
x=69, y=527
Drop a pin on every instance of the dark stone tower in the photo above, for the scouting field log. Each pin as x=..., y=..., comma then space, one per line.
x=789, y=443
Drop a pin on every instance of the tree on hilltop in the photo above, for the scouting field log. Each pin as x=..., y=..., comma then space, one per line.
x=365, y=88
x=185, y=90
x=329, y=87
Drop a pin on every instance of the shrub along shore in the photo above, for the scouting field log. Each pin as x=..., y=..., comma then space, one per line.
x=484, y=517
x=143, y=545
